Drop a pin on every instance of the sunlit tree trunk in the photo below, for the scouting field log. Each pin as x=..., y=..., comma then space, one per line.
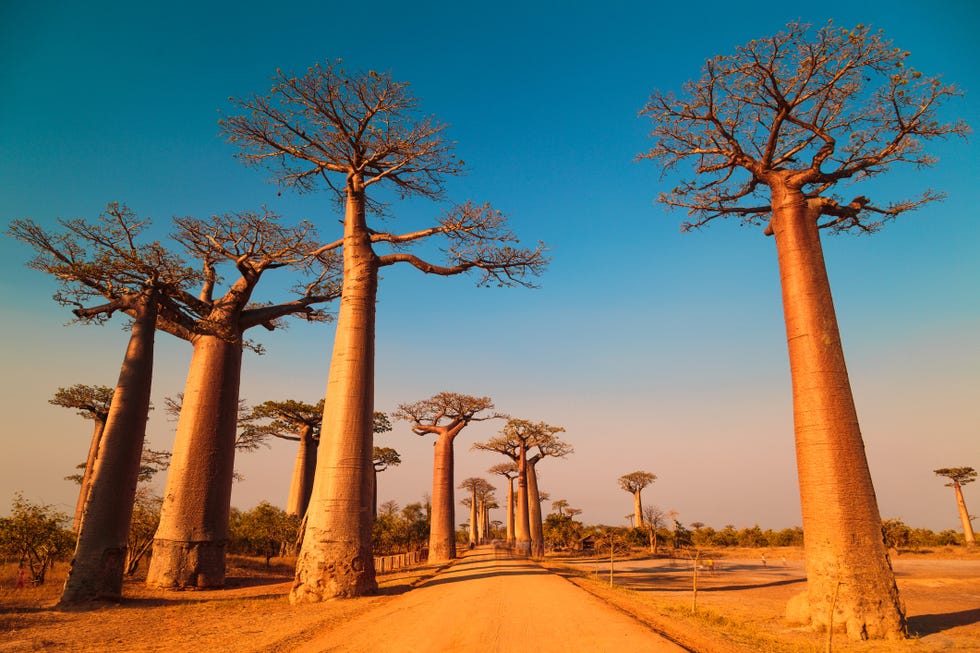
x=522, y=526
x=845, y=552
x=442, y=529
x=336, y=559
x=473, y=518
x=534, y=509
x=968, y=535
x=100, y=554
x=86, y=485
x=304, y=468
x=638, y=509
x=510, y=511
x=189, y=547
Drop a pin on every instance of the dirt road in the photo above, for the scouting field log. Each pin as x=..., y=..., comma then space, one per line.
x=488, y=601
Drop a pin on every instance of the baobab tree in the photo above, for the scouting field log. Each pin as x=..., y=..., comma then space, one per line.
x=92, y=402
x=444, y=415
x=189, y=549
x=547, y=445
x=105, y=260
x=769, y=132
x=382, y=459
x=479, y=489
x=295, y=421
x=958, y=477
x=634, y=482
x=364, y=129
x=509, y=472
x=515, y=440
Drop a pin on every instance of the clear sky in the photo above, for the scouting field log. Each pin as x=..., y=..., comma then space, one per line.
x=656, y=350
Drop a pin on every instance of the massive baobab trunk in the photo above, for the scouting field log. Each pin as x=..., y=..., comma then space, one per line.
x=189, y=547
x=534, y=508
x=86, y=485
x=301, y=484
x=638, y=508
x=522, y=526
x=442, y=528
x=100, y=555
x=336, y=559
x=510, y=511
x=846, y=562
x=968, y=535
x=474, y=512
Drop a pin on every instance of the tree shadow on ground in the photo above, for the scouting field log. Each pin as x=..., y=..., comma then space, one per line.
x=460, y=578
x=930, y=624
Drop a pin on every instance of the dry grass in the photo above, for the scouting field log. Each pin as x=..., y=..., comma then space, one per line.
x=250, y=614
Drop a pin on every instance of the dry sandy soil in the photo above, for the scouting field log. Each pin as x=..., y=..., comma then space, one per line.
x=740, y=607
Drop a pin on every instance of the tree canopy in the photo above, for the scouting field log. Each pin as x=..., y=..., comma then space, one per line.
x=807, y=110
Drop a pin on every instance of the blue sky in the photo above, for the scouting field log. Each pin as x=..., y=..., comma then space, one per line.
x=656, y=350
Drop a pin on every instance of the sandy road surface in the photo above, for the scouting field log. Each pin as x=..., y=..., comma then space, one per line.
x=488, y=601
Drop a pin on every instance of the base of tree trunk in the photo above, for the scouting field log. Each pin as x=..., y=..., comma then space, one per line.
x=441, y=552
x=857, y=616
x=332, y=570
x=98, y=582
x=180, y=565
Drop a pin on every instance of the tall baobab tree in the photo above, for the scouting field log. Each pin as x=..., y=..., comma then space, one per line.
x=769, y=132
x=92, y=402
x=444, y=415
x=328, y=127
x=295, y=421
x=515, y=440
x=958, y=477
x=104, y=260
x=509, y=472
x=189, y=548
x=634, y=482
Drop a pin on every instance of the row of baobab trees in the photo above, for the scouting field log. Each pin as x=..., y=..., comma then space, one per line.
x=366, y=130
x=765, y=135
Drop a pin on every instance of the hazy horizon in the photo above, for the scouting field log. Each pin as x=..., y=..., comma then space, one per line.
x=656, y=350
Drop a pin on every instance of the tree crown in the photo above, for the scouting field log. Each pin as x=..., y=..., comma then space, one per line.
x=957, y=475
x=636, y=481
x=803, y=113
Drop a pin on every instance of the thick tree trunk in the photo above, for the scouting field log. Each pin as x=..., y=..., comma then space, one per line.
x=100, y=554
x=841, y=524
x=86, y=484
x=534, y=511
x=510, y=511
x=473, y=518
x=336, y=559
x=522, y=527
x=304, y=468
x=189, y=546
x=964, y=516
x=638, y=509
x=442, y=525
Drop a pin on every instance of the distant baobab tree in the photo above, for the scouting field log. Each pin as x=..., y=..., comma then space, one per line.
x=104, y=260
x=479, y=489
x=92, y=402
x=444, y=415
x=515, y=441
x=769, y=132
x=296, y=421
x=634, y=482
x=958, y=477
x=509, y=472
x=189, y=548
x=351, y=132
